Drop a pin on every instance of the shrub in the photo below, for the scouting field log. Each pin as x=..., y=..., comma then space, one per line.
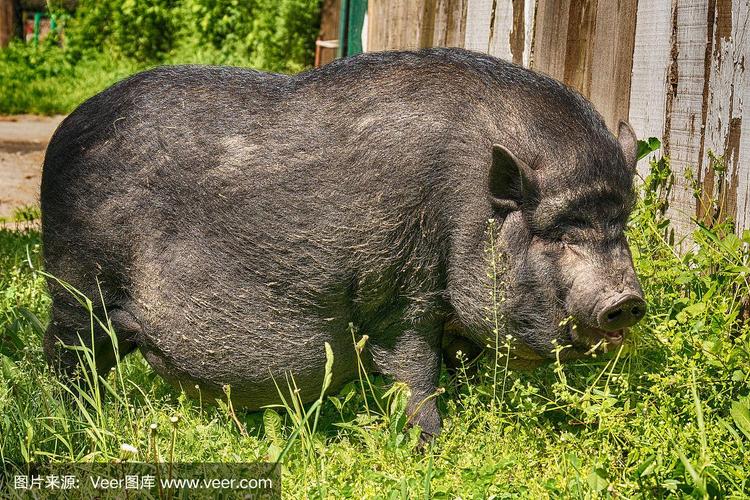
x=106, y=40
x=275, y=35
x=144, y=30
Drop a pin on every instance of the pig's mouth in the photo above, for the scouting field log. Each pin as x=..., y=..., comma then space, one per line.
x=582, y=341
x=591, y=339
x=614, y=338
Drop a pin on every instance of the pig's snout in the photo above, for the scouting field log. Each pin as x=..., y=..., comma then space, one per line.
x=621, y=311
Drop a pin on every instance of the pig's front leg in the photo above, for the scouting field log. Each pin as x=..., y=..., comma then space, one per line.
x=415, y=359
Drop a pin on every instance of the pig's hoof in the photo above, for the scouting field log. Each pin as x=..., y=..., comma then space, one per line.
x=430, y=425
x=426, y=438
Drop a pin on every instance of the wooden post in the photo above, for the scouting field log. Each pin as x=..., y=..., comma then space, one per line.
x=329, y=31
x=611, y=59
x=551, y=36
x=479, y=20
x=8, y=21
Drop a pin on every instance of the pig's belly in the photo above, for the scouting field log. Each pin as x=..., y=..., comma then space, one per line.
x=255, y=372
x=251, y=349
x=212, y=322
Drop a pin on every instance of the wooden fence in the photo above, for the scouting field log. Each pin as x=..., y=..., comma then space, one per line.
x=676, y=69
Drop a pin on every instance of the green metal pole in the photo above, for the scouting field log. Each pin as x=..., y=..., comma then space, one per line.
x=341, y=51
x=37, y=24
x=357, y=11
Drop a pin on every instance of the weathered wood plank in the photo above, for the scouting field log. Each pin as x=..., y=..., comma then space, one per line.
x=379, y=21
x=588, y=44
x=550, y=37
x=478, y=25
x=611, y=59
x=726, y=96
x=651, y=59
x=450, y=23
x=529, y=15
x=427, y=23
x=508, y=35
x=741, y=110
x=579, y=45
x=376, y=25
x=412, y=24
x=684, y=105
x=394, y=24
x=7, y=21
x=400, y=36
x=502, y=27
x=329, y=28
x=742, y=169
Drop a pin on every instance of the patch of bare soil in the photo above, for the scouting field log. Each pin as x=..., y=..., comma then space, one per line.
x=23, y=139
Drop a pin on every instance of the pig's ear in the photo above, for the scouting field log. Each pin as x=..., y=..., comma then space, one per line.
x=511, y=180
x=628, y=142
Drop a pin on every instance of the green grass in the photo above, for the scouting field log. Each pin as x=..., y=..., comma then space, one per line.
x=668, y=415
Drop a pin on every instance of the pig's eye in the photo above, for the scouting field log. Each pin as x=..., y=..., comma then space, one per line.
x=569, y=229
x=576, y=222
x=567, y=238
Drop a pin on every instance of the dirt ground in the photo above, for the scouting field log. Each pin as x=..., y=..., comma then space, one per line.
x=23, y=139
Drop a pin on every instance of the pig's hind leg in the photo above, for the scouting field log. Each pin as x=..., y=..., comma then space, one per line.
x=72, y=326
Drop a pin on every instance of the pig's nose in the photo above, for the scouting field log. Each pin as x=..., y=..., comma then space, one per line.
x=623, y=311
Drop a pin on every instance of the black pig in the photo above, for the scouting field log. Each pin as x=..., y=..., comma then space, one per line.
x=233, y=221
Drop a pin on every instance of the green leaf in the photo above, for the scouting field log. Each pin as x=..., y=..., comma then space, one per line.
x=647, y=466
x=11, y=342
x=573, y=460
x=273, y=453
x=698, y=482
x=740, y=412
x=648, y=146
x=336, y=402
x=695, y=309
x=597, y=479
x=32, y=319
x=691, y=311
x=272, y=425
x=328, y=370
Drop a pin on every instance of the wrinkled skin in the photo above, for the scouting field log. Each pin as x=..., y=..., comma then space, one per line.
x=232, y=222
